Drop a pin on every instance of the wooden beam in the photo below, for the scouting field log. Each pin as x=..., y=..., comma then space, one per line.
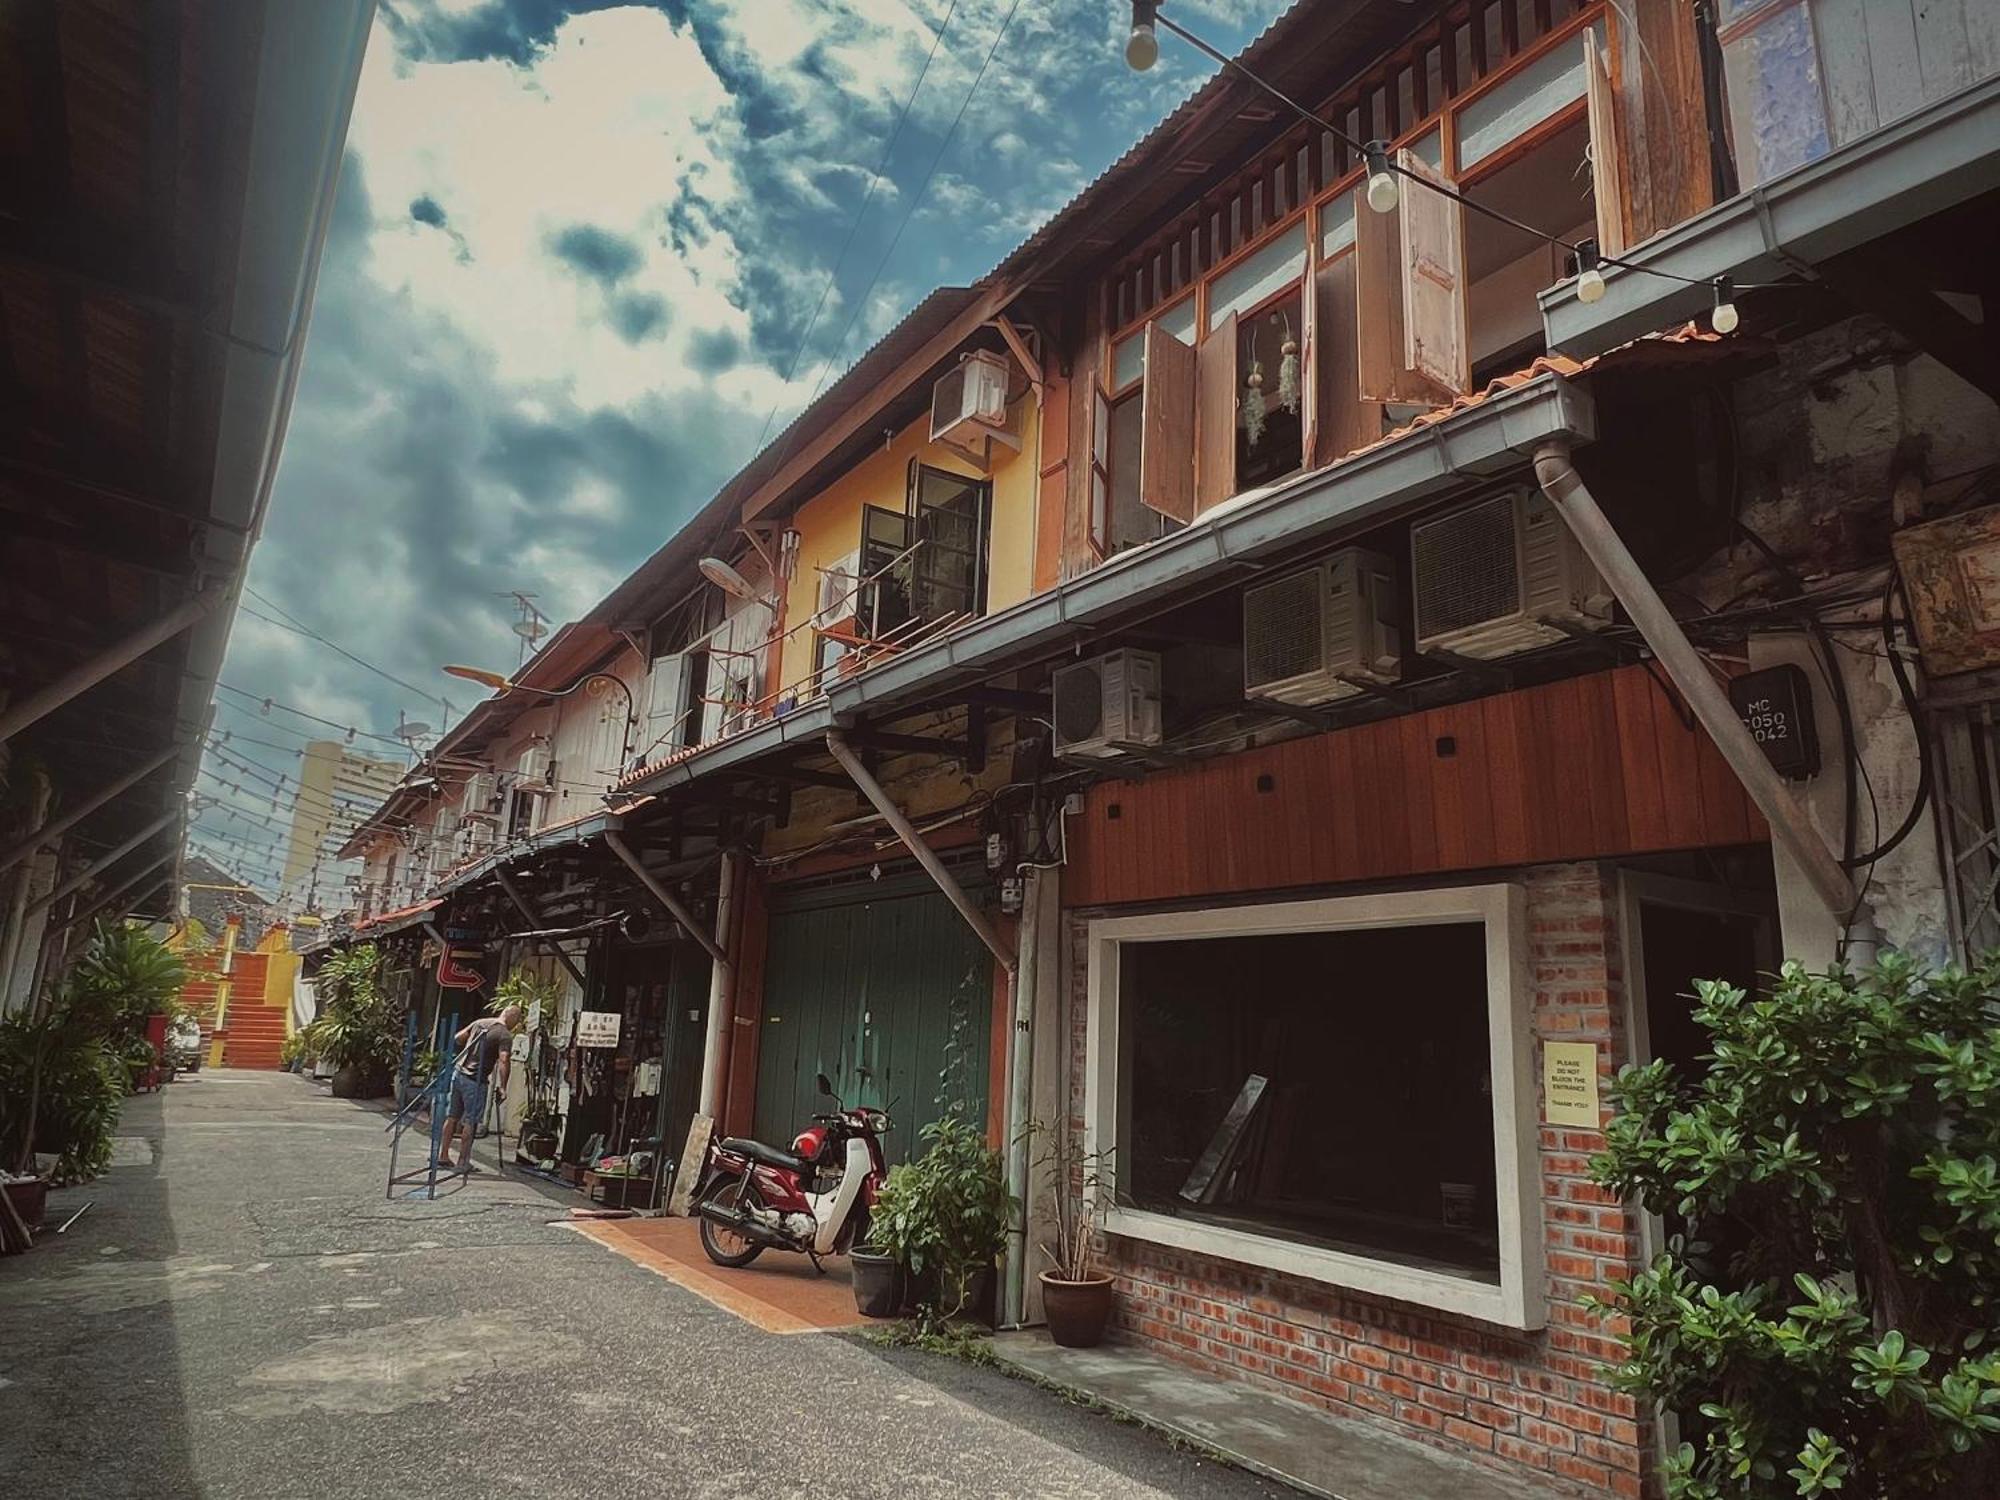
x=1873, y=281
x=901, y=744
x=858, y=417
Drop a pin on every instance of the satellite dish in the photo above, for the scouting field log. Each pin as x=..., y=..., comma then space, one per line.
x=413, y=731
x=530, y=630
x=726, y=578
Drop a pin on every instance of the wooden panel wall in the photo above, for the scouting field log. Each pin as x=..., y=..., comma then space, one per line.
x=753, y=923
x=1585, y=768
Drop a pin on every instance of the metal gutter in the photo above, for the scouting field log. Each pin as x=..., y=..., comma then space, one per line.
x=1495, y=437
x=1926, y=162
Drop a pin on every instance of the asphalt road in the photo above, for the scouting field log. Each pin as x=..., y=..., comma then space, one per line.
x=242, y=1313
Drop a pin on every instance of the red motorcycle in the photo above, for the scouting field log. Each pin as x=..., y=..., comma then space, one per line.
x=814, y=1198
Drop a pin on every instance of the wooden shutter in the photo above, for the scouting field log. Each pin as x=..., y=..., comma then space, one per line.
x=1215, y=416
x=1166, y=426
x=1434, y=339
x=1100, y=471
x=1607, y=180
x=1409, y=293
x=1340, y=420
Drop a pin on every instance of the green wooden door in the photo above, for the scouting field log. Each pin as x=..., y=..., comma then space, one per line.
x=686, y=1034
x=894, y=983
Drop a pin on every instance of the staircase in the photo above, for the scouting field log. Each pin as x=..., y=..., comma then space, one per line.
x=252, y=1032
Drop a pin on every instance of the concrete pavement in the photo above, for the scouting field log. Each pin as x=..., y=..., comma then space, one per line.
x=243, y=1314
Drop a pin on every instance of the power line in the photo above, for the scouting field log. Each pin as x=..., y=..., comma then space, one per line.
x=291, y=621
x=916, y=199
x=269, y=702
x=854, y=225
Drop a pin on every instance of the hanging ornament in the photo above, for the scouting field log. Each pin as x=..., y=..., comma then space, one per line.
x=1288, y=372
x=1253, y=405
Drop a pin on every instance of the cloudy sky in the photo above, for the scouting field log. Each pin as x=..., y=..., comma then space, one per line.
x=583, y=258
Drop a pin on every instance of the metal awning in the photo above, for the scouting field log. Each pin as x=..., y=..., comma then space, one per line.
x=1481, y=442
x=1932, y=160
x=563, y=835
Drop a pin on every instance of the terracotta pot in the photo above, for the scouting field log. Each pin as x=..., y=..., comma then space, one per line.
x=1077, y=1310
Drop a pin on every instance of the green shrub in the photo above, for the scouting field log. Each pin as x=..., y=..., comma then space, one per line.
x=1844, y=1142
x=945, y=1215
x=357, y=1026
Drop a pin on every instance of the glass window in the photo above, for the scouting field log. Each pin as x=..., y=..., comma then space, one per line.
x=1336, y=225
x=1257, y=1074
x=1429, y=147
x=1270, y=424
x=1128, y=355
x=1259, y=274
x=1522, y=101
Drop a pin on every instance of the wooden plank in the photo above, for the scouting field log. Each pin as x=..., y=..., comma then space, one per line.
x=1603, y=774
x=1078, y=556
x=1436, y=348
x=1506, y=777
x=1850, y=85
x=1413, y=776
x=700, y=1131
x=1380, y=375
x=1341, y=421
x=1215, y=416
x=1944, y=44
x=1607, y=183
x=1634, y=701
x=1656, y=63
x=1894, y=62
x=1167, y=426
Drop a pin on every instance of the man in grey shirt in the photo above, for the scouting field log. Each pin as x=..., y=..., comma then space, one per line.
x=485, y=1046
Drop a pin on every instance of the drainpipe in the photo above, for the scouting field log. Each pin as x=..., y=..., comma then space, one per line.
x=721, y=987
x=1021, y=1101
x=1020, y=999
x=1690, y=673
x=913, y=841
x=722, y=974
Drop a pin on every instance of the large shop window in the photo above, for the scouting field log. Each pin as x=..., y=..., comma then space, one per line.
x=1331, y=1088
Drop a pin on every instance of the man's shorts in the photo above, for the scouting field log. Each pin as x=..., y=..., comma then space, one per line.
x=468, y=1097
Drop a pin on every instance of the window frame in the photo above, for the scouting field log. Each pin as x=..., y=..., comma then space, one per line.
x=1518, y=1300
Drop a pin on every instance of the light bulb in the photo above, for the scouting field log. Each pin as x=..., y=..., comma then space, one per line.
x=1589, y=280
x=1142, y=47
x=1382, y=191
x=1724, y=319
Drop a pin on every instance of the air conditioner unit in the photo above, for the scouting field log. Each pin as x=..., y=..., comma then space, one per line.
x=474, y=840
x=969, y=406
x=533, y=769
x=482, y=788
x=1314, y=636
x=1502, y=576
x=1107, y=706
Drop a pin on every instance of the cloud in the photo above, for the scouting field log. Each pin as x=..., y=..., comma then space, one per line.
x=575, y=250
x=597, y=253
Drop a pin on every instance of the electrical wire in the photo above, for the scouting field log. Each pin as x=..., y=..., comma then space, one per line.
x=1447, y=190
x=916, y=199
x=348, y=729
x=854, y=225
x=292, y=622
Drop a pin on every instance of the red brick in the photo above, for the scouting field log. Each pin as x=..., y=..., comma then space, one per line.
x=1468, y=1433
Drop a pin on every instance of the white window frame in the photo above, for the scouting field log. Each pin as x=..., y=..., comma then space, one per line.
x=1517, y=1301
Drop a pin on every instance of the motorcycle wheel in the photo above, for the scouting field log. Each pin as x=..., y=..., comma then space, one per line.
x=722, y=1245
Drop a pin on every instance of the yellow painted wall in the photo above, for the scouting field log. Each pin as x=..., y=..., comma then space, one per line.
x=829, y=524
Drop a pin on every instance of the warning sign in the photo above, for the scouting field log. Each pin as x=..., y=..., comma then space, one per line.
x=1569, y=1084
x=598, y=1028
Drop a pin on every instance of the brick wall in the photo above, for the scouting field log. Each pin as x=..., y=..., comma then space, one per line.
x=1536, y=1403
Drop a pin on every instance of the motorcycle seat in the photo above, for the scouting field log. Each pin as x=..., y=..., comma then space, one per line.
x=770, y=1156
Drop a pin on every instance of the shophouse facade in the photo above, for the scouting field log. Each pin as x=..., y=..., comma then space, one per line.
x=1265, y=708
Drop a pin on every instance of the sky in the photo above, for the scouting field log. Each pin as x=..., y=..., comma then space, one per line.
x=583, y=259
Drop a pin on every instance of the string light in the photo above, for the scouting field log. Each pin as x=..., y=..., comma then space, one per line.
x=1724, y=319
x=1142, y=47
x=1382, y=190
x=1589, y=279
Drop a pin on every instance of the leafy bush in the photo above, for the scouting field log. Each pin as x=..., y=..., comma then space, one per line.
x=538, y=996
x=1845, y=1139
x=357, y=1026
x=947, y=1213
x=64, y=1073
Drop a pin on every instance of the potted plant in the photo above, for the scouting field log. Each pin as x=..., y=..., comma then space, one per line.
x=357, y=1031
x=944, y=1217
x=537, y=1136
x=1076, y=1296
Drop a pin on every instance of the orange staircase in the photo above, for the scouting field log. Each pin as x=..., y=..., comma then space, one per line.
x=252, y=1032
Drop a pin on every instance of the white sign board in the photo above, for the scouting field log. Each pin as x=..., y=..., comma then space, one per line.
x=598, y=1028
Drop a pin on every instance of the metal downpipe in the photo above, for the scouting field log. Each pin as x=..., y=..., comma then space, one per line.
x=1020, y=1102
x=721, y=988
x=1690, y=673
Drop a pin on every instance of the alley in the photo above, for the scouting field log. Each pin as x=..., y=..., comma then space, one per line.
x=241, y=1313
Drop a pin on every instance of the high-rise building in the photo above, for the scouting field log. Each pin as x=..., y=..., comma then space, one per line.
x=336, y=786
